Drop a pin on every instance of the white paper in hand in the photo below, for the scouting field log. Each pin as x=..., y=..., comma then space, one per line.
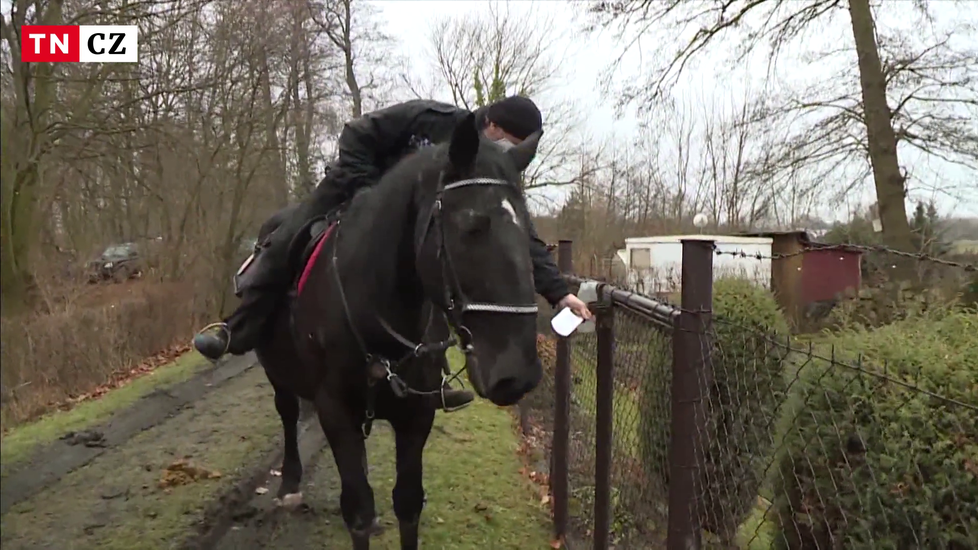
x=565, y=322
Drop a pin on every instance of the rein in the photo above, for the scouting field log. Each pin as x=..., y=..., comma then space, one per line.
x=454, y=305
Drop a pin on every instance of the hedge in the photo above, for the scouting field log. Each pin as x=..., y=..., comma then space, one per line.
x=747, y=389
x=873, y=464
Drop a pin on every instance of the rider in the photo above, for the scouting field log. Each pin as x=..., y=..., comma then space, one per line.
x=368, y=147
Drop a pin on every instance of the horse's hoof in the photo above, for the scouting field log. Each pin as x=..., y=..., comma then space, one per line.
x=375, y=528
x=290, y=501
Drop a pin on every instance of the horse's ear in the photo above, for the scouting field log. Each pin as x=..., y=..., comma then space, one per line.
x=465, y=143
x=522, y=154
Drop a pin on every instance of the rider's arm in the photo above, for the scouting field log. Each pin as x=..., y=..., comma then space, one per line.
x=547, y=279
x=365, y=144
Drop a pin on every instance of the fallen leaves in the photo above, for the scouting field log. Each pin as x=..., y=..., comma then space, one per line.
x=534, y=440
x=123, y=377
x=530, y=445
x=183, y=472
x=547, y=351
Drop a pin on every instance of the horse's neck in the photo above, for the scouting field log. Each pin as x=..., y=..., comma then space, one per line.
x=382, y=262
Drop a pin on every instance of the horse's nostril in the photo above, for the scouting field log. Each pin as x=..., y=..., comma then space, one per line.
x=508, y=391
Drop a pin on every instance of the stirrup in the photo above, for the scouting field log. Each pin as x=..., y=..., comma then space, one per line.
x=221, y=325
x=441, y=393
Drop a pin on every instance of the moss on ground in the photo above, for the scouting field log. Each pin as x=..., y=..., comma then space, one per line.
x=19, y=443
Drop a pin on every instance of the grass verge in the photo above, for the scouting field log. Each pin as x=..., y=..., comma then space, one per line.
x=19, y=443
x=478, y=498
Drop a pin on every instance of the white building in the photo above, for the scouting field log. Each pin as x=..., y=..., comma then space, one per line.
x=654, y=264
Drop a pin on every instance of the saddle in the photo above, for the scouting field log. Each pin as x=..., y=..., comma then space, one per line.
x=305, y=248
x=267, y=267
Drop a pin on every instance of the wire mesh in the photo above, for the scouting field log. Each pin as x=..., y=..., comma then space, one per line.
x=642, y=361
x=580, y=450
x=536, y=409
x=805, y=448
x=798, y=445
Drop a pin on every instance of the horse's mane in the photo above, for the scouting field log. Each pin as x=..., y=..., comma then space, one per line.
x=384, y=206
x=387, y=209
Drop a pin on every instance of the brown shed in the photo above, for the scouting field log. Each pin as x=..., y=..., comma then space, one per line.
x=805, y=274
x=829, y=272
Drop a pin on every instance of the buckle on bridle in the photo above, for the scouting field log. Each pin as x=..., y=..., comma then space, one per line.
x=398, y=386
x=465, y=339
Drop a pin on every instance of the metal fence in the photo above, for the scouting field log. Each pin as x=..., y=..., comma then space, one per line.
x=672, y=427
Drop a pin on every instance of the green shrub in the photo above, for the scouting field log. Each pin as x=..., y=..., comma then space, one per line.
x=870, y=463
x=651, y=428
x=654, y=431
x=969, y=294
x=747, y=388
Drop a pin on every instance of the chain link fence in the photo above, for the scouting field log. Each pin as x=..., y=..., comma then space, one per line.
x=826, y=449
x=710, y=425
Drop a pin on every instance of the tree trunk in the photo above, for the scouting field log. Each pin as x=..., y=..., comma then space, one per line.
x=890, y=190
x=356, y=94
x=280, y=182
x=35, y=94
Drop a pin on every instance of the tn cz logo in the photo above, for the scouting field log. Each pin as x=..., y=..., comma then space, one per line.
x=79, y=43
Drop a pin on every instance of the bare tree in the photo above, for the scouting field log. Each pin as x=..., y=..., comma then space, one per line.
x=364, y=48
x=191, y=148
x=51, y=105
x=484, y=57
x=890, y=86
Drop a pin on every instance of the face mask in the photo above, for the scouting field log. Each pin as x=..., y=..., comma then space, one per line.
x=505, y=144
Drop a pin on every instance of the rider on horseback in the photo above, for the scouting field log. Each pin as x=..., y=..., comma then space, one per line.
x=368, y=147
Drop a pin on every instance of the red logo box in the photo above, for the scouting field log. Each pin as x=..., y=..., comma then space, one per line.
x=50, y=43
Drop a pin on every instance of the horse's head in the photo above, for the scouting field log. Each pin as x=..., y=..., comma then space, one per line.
x=474, y=262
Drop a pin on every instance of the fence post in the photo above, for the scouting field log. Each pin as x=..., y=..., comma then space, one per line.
x=691, y=377
x=604, y=423
x=561, y=437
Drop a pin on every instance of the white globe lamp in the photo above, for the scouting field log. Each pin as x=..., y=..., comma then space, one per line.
x=700, y=220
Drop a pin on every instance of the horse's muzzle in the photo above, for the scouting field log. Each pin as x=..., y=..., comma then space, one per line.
x=513, y=375
x=475, y=375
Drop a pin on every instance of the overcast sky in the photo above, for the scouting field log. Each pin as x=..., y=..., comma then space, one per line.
x=589, y=56
x=586, y=57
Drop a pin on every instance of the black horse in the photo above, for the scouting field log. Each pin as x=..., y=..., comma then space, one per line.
x=441, y=241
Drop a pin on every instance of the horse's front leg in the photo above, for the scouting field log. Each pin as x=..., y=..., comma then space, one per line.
x=411, y=429
x=287, y=405
x=344, y=433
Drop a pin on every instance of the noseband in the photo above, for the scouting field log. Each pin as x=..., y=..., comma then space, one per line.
x=453, y=303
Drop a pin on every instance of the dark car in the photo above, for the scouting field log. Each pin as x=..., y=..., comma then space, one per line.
x=117, y=263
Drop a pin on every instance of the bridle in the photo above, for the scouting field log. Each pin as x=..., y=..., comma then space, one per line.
x=453, y=304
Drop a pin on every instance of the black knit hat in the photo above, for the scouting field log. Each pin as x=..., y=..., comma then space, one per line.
x=516, y=115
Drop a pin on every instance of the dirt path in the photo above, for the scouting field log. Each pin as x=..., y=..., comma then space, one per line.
x=227, y=437
x=50, y=463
